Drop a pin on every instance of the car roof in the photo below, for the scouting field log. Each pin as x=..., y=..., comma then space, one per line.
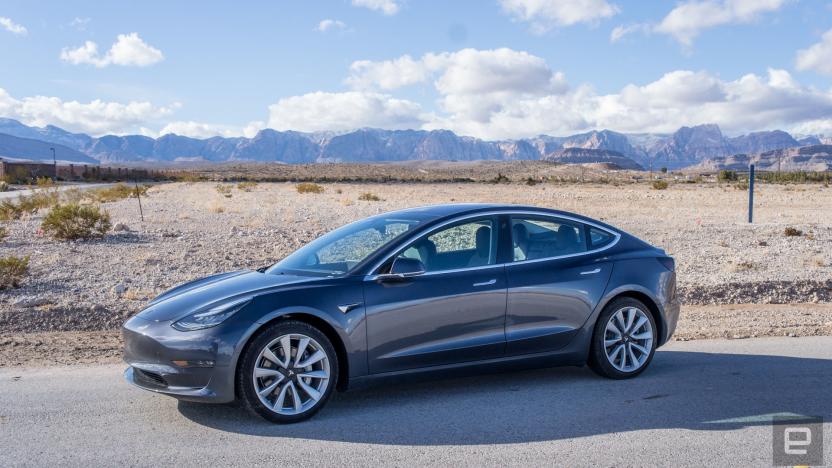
x=450, y=210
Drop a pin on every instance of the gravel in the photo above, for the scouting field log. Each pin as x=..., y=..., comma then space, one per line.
x=192, y=230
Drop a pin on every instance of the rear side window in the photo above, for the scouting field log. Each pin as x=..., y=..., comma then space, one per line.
x=535, y=238
x=599, y=238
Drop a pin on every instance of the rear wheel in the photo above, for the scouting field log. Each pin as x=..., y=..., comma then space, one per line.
x=624, y=340
x=288, y=372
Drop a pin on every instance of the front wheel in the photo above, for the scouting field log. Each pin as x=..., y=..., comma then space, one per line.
x=624, y=340
x=288, y=372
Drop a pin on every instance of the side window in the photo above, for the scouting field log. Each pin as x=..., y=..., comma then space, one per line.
x=466, y=245
x=534, y=238
x=599, y=238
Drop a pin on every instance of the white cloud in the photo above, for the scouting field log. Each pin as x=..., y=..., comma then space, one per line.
x=12, y=27
x=128, y=50
x=330, y=24
x=80, y=24
x=322, y=111
x=388, y=7
x=546, y=14
x=620, y=31
x=193, y=129
x=96, y=117
x=818, y=57
x=505, y=93
x=689, y=18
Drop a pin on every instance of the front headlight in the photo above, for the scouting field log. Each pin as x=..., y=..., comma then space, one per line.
x=210, y=317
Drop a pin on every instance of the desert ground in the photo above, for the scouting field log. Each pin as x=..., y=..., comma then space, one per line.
x=737, y=280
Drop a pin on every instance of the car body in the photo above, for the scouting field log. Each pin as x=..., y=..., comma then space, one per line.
x=445, y=288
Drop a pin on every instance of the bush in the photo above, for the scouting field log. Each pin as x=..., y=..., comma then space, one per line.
x=367, y=196
x=44, y=182
x=117, y=192
x=307, y=187
x=725, y=175
x=224, y=190
x=3, y=233
x=659, y=184
x=500, y=179
x=4, y=186
x=9, y=210
x=12, y=271
x=531, y=181
x=73, y=221
x=247, y=186
x=792, y=232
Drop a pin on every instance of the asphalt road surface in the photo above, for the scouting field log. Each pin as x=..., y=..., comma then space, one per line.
x=701, y=403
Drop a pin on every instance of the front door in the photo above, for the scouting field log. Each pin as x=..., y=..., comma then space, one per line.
x=454, y=312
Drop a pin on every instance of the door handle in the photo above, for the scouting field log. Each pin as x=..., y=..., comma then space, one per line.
x=485, y=283
x=591, y=272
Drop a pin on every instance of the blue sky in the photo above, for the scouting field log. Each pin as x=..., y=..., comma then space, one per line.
x=488, y=68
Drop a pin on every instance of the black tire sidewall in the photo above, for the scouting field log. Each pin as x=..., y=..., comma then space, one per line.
x=245, y=385
x=598, y=361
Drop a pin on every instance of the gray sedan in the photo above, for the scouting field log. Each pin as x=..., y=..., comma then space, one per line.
x=436, y=290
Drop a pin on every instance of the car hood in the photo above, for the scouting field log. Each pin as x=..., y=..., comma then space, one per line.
x=213, y=290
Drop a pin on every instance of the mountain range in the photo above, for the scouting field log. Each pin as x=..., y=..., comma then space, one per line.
x=688, y=146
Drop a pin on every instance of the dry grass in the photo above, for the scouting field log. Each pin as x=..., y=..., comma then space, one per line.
x=12, y=271
x=115, y=193
x=369, y=196
x=659, y=185
x=792, y=232
x=247, y=186
x=308, y=187
x=73, y=221
x=216, y=208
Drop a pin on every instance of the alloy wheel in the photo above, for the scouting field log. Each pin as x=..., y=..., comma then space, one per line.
x=291, y=374
x=628, y=339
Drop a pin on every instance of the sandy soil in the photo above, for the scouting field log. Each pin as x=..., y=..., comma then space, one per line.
x=192, y=230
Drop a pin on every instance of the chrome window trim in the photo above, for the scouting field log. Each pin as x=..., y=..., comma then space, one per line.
x=374, y=276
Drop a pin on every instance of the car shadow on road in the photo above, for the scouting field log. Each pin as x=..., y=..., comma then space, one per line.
x=689, y=390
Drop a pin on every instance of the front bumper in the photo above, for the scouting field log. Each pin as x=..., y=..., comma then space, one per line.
x=151, y=347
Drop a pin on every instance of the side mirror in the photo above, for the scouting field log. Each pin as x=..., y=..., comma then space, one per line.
x=404, y=267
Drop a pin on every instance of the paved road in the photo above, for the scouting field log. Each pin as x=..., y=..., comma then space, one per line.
x=701, y=403
x=16, y=193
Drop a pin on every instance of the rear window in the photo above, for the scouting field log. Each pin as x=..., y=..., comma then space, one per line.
x=599, y=238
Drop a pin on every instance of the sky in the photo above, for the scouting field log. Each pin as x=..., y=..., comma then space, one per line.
x=493, y=69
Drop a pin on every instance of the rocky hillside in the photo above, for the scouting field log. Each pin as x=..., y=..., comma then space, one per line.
x=806, y=158
x=12, y=147
x=612, y=159
x=686, y=147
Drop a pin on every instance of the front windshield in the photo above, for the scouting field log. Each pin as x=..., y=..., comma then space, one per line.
x=337, y=252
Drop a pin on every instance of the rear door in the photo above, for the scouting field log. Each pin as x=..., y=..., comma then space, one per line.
x=555, y=280
x=454, y=312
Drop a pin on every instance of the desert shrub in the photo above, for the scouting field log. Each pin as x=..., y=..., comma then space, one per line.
x=38, y=200
x=742, y=185
x=247, y=186
x=368, y=196
x=659, y=184
x=663, y=170
x=792, y=232
x=73, y=221
x=117, y=192
x=500, y=179
x=4, y=186
x=308, y=187
x=224, y=190
x=12, y=271
x=3, y=233
x=726, y=175
x=531, y=181
x=9, y=210
x=44, y=182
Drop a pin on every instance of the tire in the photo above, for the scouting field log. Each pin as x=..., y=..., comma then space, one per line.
x=287, y=391
x=618, y=352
